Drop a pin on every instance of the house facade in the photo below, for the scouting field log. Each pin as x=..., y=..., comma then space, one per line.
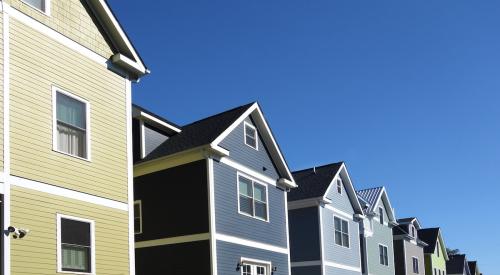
x=211, y=196
x=66, y=68
x=377, y=249
x=324, y=215
x=457, y=265
x=408, y=248
x=435, y=253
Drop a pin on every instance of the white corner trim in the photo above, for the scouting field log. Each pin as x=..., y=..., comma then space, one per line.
x=285, y=194
x=305, y=263
x=258, y=176
x=142, y=141
x=341, y=266
x=211, y=207
x=151, y=118
x=66, y=193
x=321, y=240
x=130, y=177
x=59, y=244
x=173, y=240
x=21, y=17
x=250, y=243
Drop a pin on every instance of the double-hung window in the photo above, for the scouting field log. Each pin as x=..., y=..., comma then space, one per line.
x=339, y=186
x=415, y=265
x=251, y=136
x=252, y=198
x=138, y=217
x=341, y=232
x=381, y=214
x=384, y=256
x=254, y=269
x=71, y=135
x=41, y=5
x=75, y=245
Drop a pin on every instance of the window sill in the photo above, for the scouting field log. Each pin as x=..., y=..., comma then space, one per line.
x=43, y=12
x=75, y=272
x=250, y=216
x=76, y=157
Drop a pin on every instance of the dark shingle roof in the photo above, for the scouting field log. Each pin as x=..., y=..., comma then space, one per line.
x=313, y=184
x=198, y=133
x=456, y=264
x=140, y=108
x=429, y=236
x=370, y=196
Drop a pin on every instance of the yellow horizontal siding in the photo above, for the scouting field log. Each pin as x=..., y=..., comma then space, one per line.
x=37, y=254
x=37, y=64
x=72, y=19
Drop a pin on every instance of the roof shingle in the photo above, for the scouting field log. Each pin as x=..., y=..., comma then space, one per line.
x=313, y=182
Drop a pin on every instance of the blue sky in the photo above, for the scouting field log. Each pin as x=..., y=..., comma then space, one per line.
x=406, y=92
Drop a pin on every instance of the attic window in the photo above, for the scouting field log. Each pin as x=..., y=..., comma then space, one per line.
x=251, y=136
x=339, y=186
x=42, y=5
x=381, y=214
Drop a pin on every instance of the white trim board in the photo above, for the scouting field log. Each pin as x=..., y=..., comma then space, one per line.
x=174, y=240
x=340, y=213
x=341, y=266
x=211, y=216
x=250, y=172
x=66, y=193
x=250, y=243
x=130, y=177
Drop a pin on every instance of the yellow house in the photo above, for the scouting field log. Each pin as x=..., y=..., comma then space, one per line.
x=66, y=68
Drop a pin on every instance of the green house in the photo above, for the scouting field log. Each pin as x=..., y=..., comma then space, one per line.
x=435, y=253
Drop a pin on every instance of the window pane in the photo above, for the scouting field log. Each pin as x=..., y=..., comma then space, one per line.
x=246, y=205
x=345, y=227
x=71, y=111
x=71, y=140
x=261, y=270
x=337, y=224
x=261, y=210
x=39, y=4
x=251, y=136
x=137, y=225
x=338, y=238
x=75, y=258
x=75, y=232
x=247, y=270
x=137, y=210
x=246, y=187
x=260, y=193
x=345, y=240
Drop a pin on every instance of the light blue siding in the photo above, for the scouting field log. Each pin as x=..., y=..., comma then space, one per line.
x=304, y=234
x=307, y=270
x=246, y=155
x=230, y=222
x=340, y=201
x=329, y=270
x=381, y=235
x=229, y=255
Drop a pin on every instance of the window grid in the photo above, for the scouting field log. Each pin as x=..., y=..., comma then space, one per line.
x=415, y=265
x=253, y=202
x=251, y=136
x=381, y=214
x=384, y=256
x=339, y=186
x=341, y=232
x=138, y=217
x=75, y=238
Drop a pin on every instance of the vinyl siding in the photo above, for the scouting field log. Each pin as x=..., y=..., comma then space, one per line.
x=381, y=235
x=72, y=19
x=340, y=201
x=36, y=253
x=413, y=250
x=304, y=234
x=38, y=63
x=1, y=93
x=330, y=270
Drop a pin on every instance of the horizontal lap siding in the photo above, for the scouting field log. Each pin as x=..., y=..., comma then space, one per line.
x=413, y=250
x=383, y=235
x=37, y=254
x=340, y=201
x=38, y=63
x=330, y=270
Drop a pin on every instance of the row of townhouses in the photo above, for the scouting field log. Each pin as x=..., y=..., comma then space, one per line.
x=92, y=184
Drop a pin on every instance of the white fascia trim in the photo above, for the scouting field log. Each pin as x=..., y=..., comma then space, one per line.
x=127, y=63
x=21, y=17
x=250, y=243
x=63, y=192
x=305, y=203
x=148, y=117
x=341, y=266
x=6, y=136
x=130, y=178
x=211, y=216
x=285, y=194
x=305, y=263
x=340, y=213
x=258, y=176
x=174, y=240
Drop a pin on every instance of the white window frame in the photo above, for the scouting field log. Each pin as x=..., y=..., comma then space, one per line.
x=381, y=215
x=45, y=11
x=415, y=260
x=88, y=146
x=387, y=256
x=254, y=263
x=339, y=180
x=438, y=248
x=348, y=232
x=59, y=244
x=138, y=202
x=245, y=124
x=254, y=181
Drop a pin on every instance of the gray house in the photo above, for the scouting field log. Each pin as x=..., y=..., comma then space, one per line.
x=377, y=250
x=323, y=218
x=457, y=265
x=210, y=196
x=408, y=248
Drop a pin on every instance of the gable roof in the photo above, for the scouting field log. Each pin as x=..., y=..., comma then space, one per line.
x=457, y=264
x=370, y=199
x=127, y=57
x=315, y=182
x=158, y=121
x=212, y=130
x=403, y=225
x=431, y=237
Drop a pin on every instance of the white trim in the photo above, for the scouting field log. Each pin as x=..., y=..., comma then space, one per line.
x=340, y=212
x=253, y=263
x=23, y=18
x=211, y=216
x=88, y=145
x=258, y=176
x=254, y=181
x=44, y=11
x=305, y=203
x=174, y=240
x=256, y=137
x=341, y=266
x=351, y=193
x=250, y=243
x=138, y=202
x=305, y=263
x=285, y=194
x=59, y=244
x=130, y=176
x=142, y=142
x=66, y=193
x=321, y=240
x=153, y=119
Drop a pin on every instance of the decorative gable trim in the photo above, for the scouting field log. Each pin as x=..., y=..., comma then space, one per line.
x=348, y=186
x=387, y=205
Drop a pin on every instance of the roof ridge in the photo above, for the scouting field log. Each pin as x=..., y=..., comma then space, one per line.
x=248, y=105
x=317, y=167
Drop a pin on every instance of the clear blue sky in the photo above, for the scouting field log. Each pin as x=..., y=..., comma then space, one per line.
x=406, y=92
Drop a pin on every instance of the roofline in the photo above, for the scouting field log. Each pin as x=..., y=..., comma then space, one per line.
x=343, y=167
x=142, y=113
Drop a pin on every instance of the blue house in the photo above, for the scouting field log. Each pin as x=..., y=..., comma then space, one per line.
x=210, y=195
x=324, y=215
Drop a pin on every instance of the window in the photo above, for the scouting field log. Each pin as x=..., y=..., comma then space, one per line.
x=42, y=5
x=75, y=245
x=435, y=271
x=71, y=125
x=252, y=198
x=339, y=186
x=437, y=249
x=381, y=214
x=413, y=232
x=138, y=217
x=251, y=136
x=254, y=269
x=341, y=232
x=415, y=265
x=384, y=256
